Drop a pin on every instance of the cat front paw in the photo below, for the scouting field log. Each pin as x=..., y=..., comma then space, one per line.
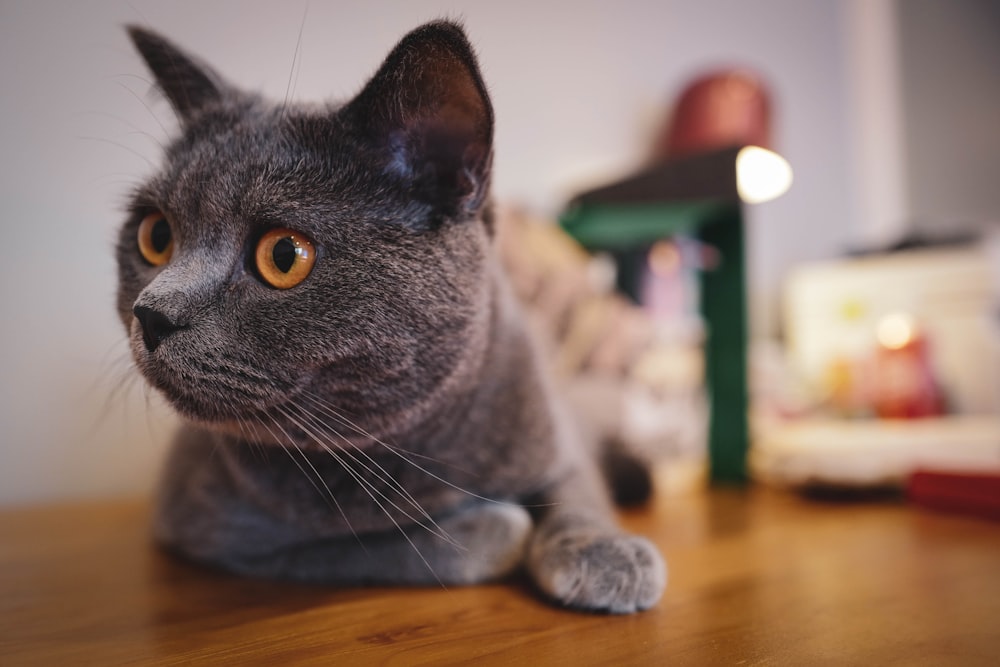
x=494, y=538
x=615, y=573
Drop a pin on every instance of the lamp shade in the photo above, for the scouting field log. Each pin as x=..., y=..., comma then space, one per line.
x=721, y=109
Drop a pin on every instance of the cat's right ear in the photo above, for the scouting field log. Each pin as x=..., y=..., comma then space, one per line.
x=427, y=111
x=188, y=85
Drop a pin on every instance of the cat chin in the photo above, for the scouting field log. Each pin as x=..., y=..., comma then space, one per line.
x=207, y=408
x=266, y=423
x=202, y=399
x=270, y=430
x=208, y=414
x=245, y=430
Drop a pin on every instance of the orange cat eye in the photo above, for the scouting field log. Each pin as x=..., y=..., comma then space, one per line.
x=284, y=258
x=156, y=239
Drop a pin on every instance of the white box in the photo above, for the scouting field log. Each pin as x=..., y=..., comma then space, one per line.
x=952, y=294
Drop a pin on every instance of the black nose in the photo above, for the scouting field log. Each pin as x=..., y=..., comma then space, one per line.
x=155, y=326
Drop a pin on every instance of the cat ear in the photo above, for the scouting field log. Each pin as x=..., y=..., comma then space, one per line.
x=428, y=113
x=188, y=85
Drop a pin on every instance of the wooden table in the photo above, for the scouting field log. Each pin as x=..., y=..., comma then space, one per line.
x=757, y=577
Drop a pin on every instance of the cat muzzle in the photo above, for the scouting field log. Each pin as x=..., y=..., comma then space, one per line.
x=156, y=326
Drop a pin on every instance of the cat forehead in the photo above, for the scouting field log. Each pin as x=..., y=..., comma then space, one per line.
x=243, y=134
x=261, y=165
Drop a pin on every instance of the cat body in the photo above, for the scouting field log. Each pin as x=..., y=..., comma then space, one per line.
x=315, y=290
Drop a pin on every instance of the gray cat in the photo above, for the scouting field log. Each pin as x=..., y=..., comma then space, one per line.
x=315, y=291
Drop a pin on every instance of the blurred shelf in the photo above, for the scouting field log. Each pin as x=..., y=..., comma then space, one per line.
x=872, y=452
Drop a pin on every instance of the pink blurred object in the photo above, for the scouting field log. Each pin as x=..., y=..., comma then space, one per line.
x=904, y=382
x=718, y=110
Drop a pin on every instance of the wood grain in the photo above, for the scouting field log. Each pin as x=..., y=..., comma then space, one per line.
x=757, y=577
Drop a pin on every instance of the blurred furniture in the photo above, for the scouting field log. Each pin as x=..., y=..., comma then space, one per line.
x=826, y=451
x=838, y=312
x=695, y=196
x=711, y=156
x=936, y=310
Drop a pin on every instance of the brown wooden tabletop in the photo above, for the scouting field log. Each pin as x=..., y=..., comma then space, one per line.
x=756, y=577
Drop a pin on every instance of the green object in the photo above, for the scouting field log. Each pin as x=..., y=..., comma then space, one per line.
x=628, y=226
x=626, y=218
x=723, y=305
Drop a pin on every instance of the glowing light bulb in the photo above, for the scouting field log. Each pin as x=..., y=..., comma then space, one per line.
x=761, y=175
x=895, y=331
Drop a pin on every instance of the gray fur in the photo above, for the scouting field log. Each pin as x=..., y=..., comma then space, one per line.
x=386, y=420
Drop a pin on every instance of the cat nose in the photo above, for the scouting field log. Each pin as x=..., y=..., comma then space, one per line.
x=155, y=326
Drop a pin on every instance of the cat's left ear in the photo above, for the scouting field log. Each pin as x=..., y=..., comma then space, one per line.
x=427, y=111
x=188, y=85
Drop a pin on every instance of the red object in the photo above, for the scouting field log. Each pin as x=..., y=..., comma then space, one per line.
x=719, y=110
x=967, y=493
x=904, y=381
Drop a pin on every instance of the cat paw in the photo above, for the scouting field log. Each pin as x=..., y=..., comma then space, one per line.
x=614, y=573
x=493, y=539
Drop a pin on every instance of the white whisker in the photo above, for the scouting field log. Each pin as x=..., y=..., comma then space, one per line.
x=121, y=375
x=379, y=472
x=293, y=75
x=142, y=101
x=361, y=482
x=255, y=447
x=121, y=146
x=385, y=479
x=329, y=495
x=318, y=401
x=134, y=129
x=400, y=453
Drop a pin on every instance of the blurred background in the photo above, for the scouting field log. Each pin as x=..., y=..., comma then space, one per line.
x=886, y=110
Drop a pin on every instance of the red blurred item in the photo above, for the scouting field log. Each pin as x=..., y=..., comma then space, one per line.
x=967, y=493
x=904, y=381
x=719, y=110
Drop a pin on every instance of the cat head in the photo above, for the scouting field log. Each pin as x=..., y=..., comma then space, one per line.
x=332, y=257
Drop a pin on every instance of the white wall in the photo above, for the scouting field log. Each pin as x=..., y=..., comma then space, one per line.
x=876, y=122
x=951, y=95
x=577, y=87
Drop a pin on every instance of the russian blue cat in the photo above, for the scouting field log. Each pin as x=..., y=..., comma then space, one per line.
x=314, y=290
